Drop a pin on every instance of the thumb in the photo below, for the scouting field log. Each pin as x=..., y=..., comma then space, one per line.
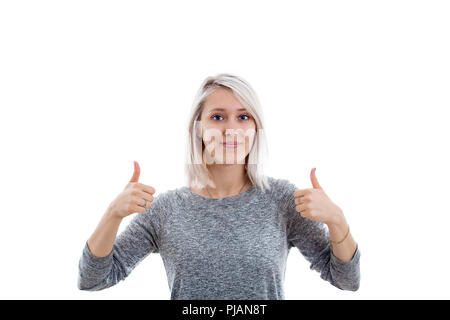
x=314, y=180
x=136, y=173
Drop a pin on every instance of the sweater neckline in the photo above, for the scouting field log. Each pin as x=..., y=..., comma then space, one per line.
x=226, y=200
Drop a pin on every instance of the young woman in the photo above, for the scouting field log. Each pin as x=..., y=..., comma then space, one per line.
x=228, y=232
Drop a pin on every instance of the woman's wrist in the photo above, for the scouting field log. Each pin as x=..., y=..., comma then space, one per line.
x=337, y=220
x=111, y=213
x=338, y=228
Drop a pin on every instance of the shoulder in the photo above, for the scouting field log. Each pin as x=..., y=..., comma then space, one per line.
x=172, y=198
x=281, y=190
x=163, y=203
x=162, y=198
x=281, y=186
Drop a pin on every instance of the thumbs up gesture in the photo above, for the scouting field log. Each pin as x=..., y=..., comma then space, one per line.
x=314, y=204
x=136, y=196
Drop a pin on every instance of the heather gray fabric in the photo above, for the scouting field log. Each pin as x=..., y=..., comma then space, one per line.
x=230, y=248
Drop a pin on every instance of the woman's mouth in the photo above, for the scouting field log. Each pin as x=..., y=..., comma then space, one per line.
x=230, y=145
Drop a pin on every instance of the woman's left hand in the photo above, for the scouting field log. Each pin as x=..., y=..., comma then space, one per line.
x=314, y=204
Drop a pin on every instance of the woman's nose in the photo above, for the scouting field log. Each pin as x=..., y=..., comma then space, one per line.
x=230, y=132
x=232, y=125
x=233, y=134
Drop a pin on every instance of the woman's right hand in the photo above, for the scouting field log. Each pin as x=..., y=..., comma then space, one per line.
x=133, y=197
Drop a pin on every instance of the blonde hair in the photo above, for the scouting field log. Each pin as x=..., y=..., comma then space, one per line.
x=196, y=171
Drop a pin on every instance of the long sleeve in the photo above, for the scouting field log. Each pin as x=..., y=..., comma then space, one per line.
x=311, y=238
x=140, y=238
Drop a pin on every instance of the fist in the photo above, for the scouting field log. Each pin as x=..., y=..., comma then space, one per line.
x=314, y=204
x=135, y=198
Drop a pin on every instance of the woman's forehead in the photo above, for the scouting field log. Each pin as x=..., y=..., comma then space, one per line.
x=223, y=100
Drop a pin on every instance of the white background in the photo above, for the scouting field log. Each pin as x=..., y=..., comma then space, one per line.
x=358, y=89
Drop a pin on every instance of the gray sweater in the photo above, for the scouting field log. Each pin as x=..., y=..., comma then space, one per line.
x=229, y=249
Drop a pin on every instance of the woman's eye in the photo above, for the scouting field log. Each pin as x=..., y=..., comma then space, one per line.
x=243, y=115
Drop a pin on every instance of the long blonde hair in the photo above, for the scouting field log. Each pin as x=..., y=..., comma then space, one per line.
x=196, y=171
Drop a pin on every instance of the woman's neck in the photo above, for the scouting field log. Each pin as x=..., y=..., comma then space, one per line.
x=229, y=179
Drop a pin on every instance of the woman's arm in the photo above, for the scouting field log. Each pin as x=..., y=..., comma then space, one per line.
x=346, y=247
x=312, y=237
x=140, y=238
x=314, y=204
x=102, y=240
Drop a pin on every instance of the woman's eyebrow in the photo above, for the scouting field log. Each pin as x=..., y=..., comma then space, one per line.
x=221, y=109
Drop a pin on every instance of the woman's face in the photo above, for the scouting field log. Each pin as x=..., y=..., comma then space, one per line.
x=228, y=130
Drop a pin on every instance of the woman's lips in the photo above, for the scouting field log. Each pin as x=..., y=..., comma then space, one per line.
x=230, y=145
